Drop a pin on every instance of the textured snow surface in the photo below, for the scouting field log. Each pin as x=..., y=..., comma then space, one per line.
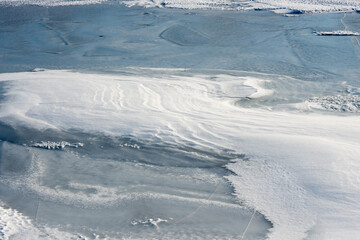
x=336, y=103
x=14, y=225
x=301, y=170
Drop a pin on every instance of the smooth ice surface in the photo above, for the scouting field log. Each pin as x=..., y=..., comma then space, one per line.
x=107, y=37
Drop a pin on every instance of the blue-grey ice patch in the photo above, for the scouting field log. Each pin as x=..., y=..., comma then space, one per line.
x=183, y=36
x=106, y=52
x=123, y=192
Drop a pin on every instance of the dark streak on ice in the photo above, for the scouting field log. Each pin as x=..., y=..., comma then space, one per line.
x=183, y=36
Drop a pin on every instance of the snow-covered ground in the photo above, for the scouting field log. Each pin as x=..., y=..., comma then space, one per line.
x=180, y=121
x=300, y=5
x=301, y=169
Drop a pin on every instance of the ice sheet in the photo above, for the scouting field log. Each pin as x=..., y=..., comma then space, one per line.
x=164, y=135
x=87, y=37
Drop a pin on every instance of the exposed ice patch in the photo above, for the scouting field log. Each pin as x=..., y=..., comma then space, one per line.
x=183, y=36
x=56, y=145
x=337, y=33
x=339, y=103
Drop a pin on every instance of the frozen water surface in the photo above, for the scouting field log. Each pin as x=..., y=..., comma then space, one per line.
x=112, y=36
x=179, y=120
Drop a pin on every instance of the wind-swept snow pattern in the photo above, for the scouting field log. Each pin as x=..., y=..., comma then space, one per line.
x=294, y=168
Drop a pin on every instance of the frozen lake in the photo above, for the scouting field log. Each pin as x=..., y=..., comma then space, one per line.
x=125, y=122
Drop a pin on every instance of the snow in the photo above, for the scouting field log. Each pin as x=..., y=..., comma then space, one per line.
x=301, y=170
x=280, y=6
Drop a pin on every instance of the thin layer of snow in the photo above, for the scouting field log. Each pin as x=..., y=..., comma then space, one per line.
x=338, y=33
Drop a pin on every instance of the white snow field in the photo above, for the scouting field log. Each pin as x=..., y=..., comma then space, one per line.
x=301, y=170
